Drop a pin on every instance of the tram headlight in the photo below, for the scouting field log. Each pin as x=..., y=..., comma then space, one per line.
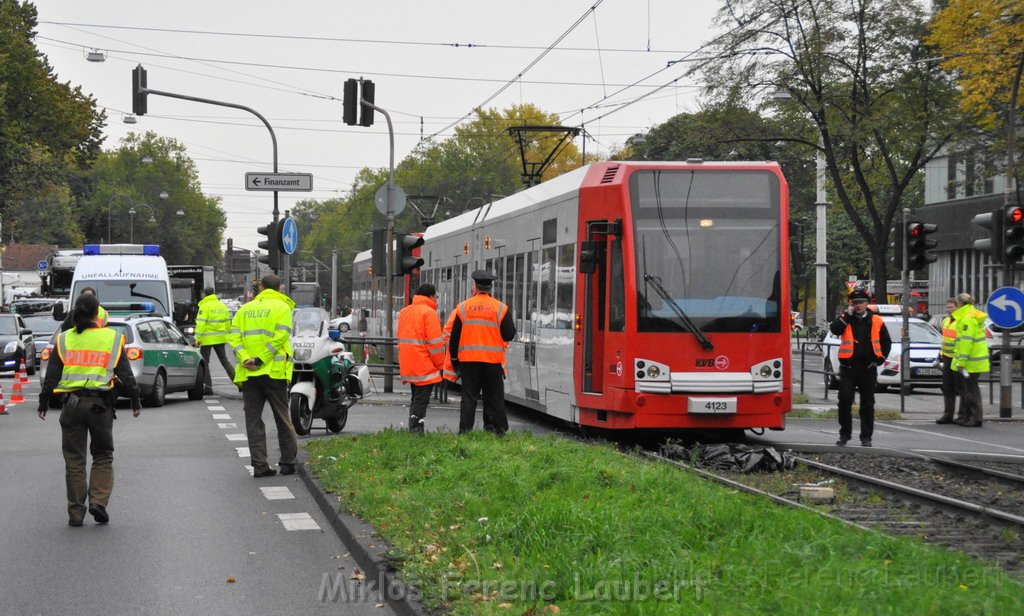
x=653, y=372
x=766, y=371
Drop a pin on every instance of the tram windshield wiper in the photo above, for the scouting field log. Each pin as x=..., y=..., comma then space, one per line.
x=688, y=323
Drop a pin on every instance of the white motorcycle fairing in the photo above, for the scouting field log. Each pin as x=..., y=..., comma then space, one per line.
x=305, y=388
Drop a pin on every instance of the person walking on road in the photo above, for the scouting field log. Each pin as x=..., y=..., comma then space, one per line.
x=481, y=332
x=970, y=358
x=85, y=363
x=420, y=351
x=260, y=337
x=951, y=384
x=69, y=320
x=212, y=325
x=864, y=344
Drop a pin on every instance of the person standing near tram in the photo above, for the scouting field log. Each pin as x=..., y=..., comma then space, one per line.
x=951, y=384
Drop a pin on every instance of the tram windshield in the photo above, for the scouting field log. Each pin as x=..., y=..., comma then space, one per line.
x=710, y=240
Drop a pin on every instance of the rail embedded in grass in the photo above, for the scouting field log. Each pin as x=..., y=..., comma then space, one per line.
x=487, y=525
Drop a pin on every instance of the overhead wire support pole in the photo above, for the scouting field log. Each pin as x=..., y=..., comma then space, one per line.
x=389, y=351
x=905, y=329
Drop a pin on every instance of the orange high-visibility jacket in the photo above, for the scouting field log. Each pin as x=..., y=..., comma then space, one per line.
x=480, y=341
x=846, y=342
x=448, y=369
x=420, y=344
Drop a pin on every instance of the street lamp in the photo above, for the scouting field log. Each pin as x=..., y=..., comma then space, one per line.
x=131, y=220
x=110, y=208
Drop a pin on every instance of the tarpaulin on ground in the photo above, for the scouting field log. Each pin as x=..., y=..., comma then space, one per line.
x=731, y=458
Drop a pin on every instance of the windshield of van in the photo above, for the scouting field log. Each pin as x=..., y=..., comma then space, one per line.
x=111, y=292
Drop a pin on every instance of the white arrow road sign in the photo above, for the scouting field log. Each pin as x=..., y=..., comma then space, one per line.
x=279, y=181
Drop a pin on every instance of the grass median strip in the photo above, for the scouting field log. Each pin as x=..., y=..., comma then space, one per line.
x=482, y=525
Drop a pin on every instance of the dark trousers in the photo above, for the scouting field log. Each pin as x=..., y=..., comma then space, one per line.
x=856, y=376
x=951, y=389
x=257, y=390
x=486, y=381
x=91, y=420
x=222, y=356
x=418, y=406
x=970, y=402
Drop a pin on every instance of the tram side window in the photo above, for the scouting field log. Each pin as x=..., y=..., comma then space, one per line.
x=564, y=277
x=499, y=273
x=617, y=290
x=530, y=312
x=546, y=272
x=519, y=288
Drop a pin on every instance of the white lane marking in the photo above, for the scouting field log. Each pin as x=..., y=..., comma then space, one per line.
x=298, y=521
x=252, y=471
x=217, y=408
x=225, y=426
x=277, y=493
x=236, y=437
x=243, y=452
x=221, y=416
x=211, y=401
x=957, y=438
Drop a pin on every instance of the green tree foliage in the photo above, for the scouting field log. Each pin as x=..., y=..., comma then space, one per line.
x=49, y=131
x=856, y=68
x=477, y=165
x=729, y=131
x=120, y=179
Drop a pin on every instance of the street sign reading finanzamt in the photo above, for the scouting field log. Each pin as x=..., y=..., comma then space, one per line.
x=279, y=181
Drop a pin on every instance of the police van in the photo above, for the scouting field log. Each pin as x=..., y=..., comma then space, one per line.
x=128, y=278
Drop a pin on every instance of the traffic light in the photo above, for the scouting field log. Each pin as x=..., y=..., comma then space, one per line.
x=993, y=245
x=1013, y=233
x=138, y=96
x=350, y=101
x=918, y=245
x=897, y=249
x=365, y=112
x=404, y=259
x=273, y=256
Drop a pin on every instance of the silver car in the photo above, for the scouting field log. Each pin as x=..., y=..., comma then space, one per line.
x=161, y=358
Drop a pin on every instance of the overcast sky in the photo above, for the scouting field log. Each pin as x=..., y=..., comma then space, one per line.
x=288, y=60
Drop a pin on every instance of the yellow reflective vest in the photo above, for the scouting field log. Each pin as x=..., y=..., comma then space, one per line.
x=948, y=336
x=970, y=351
x=212, y=322
x=89, y=359
x=262, y=329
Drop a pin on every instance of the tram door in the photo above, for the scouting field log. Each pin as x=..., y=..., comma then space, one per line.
x=593, y=264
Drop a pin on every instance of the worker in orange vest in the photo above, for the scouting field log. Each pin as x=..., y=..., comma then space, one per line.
x=481, y=332
x=864, y=345
x=420, y=351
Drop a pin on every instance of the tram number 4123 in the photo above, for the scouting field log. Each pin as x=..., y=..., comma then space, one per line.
x=712, y=405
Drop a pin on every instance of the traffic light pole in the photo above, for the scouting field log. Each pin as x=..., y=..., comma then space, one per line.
x=905, y=330
x=389, y=350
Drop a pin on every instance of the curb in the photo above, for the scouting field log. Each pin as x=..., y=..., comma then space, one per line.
x=365, y=547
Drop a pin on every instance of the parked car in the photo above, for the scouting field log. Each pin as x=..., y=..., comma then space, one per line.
x=924, y=364
x=161, y=358
x=42, y=325
x=16, y=344
x=343, y=324
x=35, y=305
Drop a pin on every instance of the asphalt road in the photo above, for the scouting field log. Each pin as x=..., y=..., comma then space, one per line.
x=186, y=515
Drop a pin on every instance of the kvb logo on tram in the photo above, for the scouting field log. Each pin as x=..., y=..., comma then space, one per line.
x=721, y=362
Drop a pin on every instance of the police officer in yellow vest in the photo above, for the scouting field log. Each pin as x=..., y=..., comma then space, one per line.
x=212, y=324
x=864, y=344
x=951, y=384
x=481, y=331
x=84, y=364
x=970, y=358
x=261, y=338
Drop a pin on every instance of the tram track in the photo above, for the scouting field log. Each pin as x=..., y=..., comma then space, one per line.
x=962, y=506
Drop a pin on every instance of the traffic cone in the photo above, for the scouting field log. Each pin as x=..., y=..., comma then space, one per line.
x=16, y=395
x=22, y=373
x=3, y=405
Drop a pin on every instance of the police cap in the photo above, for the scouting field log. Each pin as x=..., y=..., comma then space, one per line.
x=483, y=278
x=859, y=295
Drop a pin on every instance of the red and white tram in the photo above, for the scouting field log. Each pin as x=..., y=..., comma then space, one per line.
x=645, y=294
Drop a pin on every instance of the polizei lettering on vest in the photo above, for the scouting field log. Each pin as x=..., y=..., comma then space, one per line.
x=257, y=314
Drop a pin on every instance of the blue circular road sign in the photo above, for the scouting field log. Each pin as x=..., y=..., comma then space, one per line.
x=289, y=236
x=1006, y=307
x=43, y=266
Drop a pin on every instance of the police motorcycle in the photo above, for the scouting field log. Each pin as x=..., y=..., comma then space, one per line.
x=325, y=380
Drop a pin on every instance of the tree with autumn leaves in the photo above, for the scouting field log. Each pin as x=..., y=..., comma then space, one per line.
x=982, y=43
